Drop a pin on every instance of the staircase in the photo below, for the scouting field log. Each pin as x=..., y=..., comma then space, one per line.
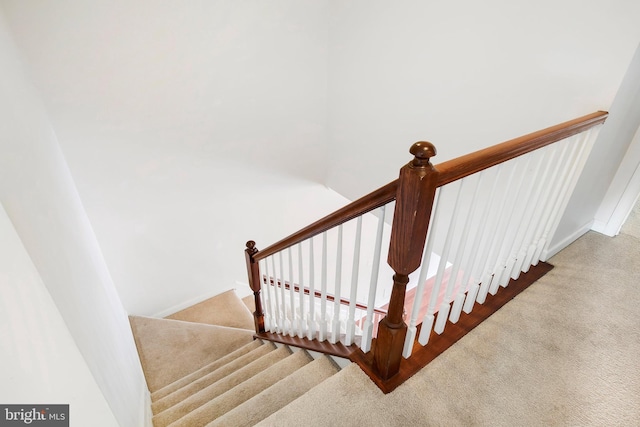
x=203, y=366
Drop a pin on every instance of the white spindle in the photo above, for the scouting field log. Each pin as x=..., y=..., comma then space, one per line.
x=367, y=329
x=292, y=296
x=460, y=259
x=554, y=200
x=443, y=312
x=428, y=319
x=586, y=144
x=533, y=211
x=266, y=297
x=554, y=183
x=303, y=314
x=351, y=323
x=494, y=240
x=284, y=327
x=335, y=325
x=311, y=319
x=322, y=330
x=412, y=328
x=480, y=240
x=506, y=233
x=277, y=323
x=517, y=224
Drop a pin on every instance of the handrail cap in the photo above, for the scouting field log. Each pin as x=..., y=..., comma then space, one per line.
x=423, y=151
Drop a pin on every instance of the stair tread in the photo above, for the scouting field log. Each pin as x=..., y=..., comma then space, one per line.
x=214, y=390
x=244, y=391
x=229, y=358
x=197, y=384
x=161, y=342
x=225, y=309
x=278, y=395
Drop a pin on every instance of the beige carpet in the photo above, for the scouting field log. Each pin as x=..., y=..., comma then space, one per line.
x=565, y=352
x=171, y=349
x=225, y=309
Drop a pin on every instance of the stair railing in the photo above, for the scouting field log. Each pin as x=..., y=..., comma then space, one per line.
x=484, y=218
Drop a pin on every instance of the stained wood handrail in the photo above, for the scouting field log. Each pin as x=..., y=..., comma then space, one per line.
x=317, y=294
x=477, y=161
x=371, y=201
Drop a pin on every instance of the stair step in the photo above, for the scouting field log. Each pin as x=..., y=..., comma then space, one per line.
x=224, y=403
x=162, y=342
x=205, y=395
x=166, y=390
x=206, y=380
x=278, y=395
x=225, y=309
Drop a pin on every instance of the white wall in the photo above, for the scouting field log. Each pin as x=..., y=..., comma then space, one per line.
x=464, y=75
x=41, y=201
x=625, y=186
x=189, y=128
x=40, y=361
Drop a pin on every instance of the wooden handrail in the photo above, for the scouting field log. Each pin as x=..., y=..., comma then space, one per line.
x=477, y=161
x=371, y=201
x=317, y=294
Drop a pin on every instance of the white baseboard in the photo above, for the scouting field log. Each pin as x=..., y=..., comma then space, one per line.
x=605, y=228
x=551, y=251
x=148, y=414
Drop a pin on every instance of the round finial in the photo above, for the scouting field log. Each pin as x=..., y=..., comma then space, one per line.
x=251, y=244
x=423, y=151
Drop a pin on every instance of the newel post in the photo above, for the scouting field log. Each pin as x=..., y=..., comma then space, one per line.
x=414, y=200
x=253, y=271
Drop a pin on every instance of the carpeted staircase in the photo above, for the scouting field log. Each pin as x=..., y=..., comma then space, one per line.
x=203, y=366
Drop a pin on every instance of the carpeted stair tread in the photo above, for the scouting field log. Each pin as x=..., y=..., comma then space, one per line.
x=225, y=309
x=206, y=380
x=278, y=395
x=161, y=343
x=205, y=395
x=166, y=390
x=243, y=392
x=250, y=302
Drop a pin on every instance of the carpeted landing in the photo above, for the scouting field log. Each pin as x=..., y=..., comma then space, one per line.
x=204, y=368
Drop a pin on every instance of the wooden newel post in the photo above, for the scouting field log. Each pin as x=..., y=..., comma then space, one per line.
x=254, y=282
x=414, y=200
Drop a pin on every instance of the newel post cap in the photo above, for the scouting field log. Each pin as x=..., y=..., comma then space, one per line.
x=423, y=151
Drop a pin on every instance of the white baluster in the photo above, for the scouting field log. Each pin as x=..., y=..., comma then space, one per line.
x=322, y=330
x=273, y=294
x=335, y=325
x=492, y=253
x=460, y=259
x=351, y=323
x=533, y=211
x=479, y=248
x=586, y=144
x=367, y=330
x=302, y=316
x=445, y=306
x=311, y=321
x=506, y=233
x=429, y=318
x=265, y=295
x=412, y=329
x=286, y=324
x=278, y=294
x=554, y=183
x=292, y=295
